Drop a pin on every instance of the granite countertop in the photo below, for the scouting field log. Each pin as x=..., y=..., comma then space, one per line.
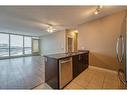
x=65, y=55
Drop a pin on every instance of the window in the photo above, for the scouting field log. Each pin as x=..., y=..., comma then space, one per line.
x=4, y=45
x=12, y=45
x=16, y=45
x=27, y=45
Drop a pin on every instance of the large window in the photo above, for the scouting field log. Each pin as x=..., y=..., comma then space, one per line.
x=16, y=45
x=4, y=45
x=27, y=45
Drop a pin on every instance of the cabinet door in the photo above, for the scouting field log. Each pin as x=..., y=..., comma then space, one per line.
x=85, y=61
x=75, y=65
x=51, y=72
x=80, y=63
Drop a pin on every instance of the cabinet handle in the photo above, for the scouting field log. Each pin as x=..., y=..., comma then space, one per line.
x=79, y=57
x=45, y=59
x=68, y=61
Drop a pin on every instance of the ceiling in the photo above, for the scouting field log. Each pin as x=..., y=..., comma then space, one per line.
x=33, y=20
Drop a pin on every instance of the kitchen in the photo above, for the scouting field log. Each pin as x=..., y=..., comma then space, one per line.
x=98, y=38
x=70, y=47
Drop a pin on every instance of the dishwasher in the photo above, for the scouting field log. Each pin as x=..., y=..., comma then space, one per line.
x=65, y=71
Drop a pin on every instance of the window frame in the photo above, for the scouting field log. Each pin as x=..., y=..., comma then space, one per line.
x=23, y=55
x=8, y=45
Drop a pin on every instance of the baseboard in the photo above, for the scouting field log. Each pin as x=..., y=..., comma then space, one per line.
x=103, y=69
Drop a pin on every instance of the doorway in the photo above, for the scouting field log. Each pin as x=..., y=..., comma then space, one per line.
x=71, y=41
x=70, y=44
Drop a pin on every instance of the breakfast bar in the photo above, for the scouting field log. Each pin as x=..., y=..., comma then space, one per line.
x=62, y=68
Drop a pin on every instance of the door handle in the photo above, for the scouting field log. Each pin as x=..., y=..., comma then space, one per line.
x=119, y=59
x=117, y=46
x=122, y=58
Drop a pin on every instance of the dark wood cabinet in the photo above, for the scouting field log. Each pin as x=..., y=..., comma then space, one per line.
x=80, y=63
x=52, y=72
x=75, y=65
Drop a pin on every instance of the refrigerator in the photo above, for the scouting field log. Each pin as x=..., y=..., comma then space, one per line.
x=121, y=54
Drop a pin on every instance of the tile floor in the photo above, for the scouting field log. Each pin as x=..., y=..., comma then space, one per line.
x=91, y=78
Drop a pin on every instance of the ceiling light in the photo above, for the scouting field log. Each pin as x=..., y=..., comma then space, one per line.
x=101, y=6
x=51, y=29
x=76, y=31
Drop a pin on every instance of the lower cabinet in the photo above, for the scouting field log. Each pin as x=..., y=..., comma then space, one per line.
x=80, y=63
x=75, y=66
x=52, y=72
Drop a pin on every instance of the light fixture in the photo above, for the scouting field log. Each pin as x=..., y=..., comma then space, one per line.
x=96, y=12
x=101, y=6
x=76, y=31
x=98, y=9
x=50, y=29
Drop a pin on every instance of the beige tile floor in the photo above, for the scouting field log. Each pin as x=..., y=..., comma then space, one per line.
x=91, y=78
x=43, y=86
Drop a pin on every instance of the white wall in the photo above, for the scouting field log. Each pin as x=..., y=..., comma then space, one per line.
x=100, y=37
x=53, y=43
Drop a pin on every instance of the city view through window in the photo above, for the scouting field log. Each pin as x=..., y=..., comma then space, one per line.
x=15, y=45
x=4, y=45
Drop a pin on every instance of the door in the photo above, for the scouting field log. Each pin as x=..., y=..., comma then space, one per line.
x=70, y=44
x=121, y=55
x=35, y=46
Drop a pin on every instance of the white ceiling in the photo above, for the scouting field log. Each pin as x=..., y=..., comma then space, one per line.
x=33, y=20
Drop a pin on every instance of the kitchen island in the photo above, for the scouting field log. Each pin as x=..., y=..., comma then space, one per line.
x=61, y=68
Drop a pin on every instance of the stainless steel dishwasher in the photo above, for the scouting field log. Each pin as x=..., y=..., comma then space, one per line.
x=65, y=71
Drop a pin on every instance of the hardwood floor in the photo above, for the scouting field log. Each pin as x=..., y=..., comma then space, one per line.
x=21, y=73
